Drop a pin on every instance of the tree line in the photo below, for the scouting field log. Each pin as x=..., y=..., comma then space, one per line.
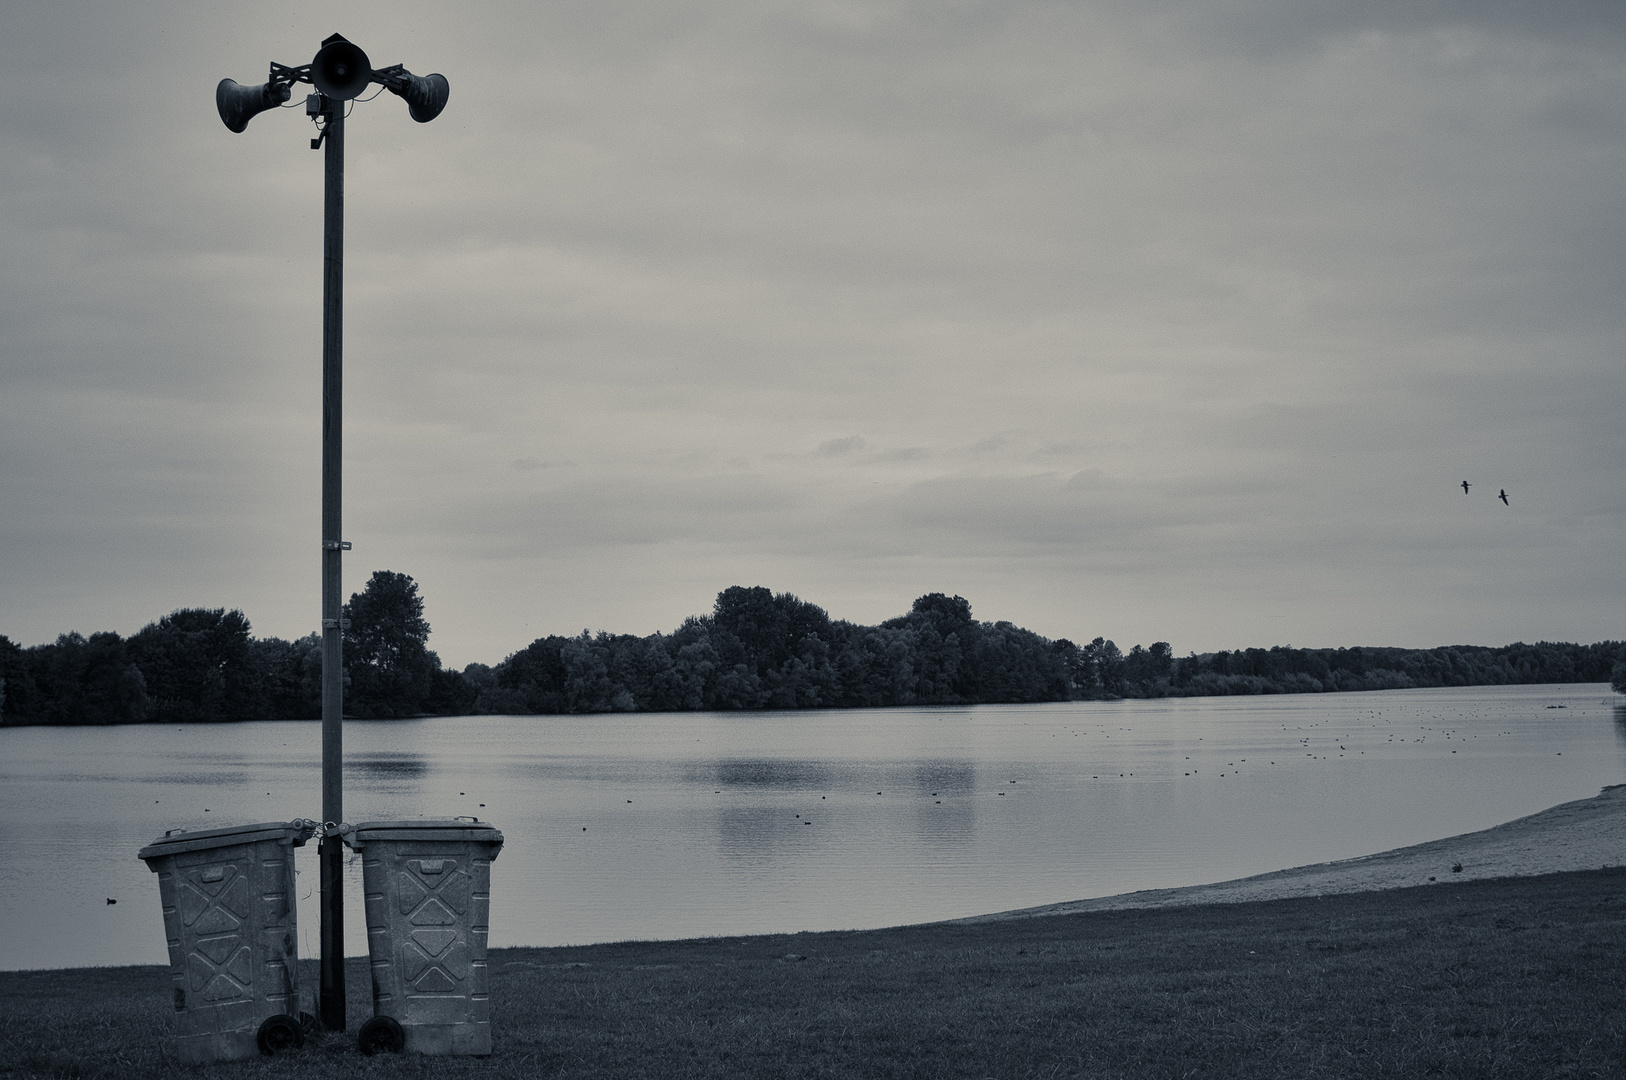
x=1286, y=670
x=756, y=650
x=199, y=664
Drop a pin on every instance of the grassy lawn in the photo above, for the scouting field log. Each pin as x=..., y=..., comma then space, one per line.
x=1509, y=978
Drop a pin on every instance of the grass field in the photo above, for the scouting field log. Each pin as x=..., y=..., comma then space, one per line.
x=1517, y=977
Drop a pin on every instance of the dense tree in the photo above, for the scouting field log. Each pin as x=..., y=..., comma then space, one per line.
x=80, y=680
x=450, y=694
x=386, y=649
x=761, y=650
x=758, y=649
x=195, y=665
x=288, y=678
x=203, y=664
x=1104, y=664
x=1286, y=670
x=17, y=694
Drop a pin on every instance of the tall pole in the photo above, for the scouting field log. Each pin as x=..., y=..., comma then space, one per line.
x=340, y=71
x=331, y=853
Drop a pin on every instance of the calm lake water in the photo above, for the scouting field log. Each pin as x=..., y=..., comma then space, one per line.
x=676, y=825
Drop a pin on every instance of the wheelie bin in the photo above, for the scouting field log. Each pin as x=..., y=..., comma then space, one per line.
x=229, y=917
x=428, y=905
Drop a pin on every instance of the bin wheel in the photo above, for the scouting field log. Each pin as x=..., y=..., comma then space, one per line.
x=307, y=1023
x=381, y=1035
x=278, y=1033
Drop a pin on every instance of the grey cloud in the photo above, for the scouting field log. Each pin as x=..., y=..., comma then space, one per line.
x=845, y=445
x=1270, y=25
x=1243, y=283
x=611, y=513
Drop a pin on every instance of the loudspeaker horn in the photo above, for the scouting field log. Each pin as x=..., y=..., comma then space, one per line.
x=238, y=104
x=341, y=70
x=425, y=95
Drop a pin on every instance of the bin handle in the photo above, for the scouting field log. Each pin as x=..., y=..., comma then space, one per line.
x=465, y=817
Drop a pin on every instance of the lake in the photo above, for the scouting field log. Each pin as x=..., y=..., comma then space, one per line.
x=686, y=824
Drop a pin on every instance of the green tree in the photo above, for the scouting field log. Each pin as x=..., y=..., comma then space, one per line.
x=80, y=680
x=17, y=695
x=196, y=665
x=944, y=614
x=386, y=649
x=1108, y=663
x=762, y=630
x=288, y=678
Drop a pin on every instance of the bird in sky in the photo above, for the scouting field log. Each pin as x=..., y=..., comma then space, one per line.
x=1465, y=487
x=1503, y=497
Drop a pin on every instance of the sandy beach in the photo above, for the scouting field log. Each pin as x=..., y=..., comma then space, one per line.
x=1583, y=835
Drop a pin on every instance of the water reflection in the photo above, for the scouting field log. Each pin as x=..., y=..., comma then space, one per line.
x=944, y=801
x=769, y=806
x=762, y=833
x=389, y=766
x=937, y=777
x=226, y=777
x=396, y=774
x=785, y=775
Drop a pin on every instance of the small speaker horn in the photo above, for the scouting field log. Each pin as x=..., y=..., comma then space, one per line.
x=425, y=95
x=238, y=104
x=341, y=70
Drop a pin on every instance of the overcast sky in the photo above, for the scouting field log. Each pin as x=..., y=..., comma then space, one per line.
x=1157, y=321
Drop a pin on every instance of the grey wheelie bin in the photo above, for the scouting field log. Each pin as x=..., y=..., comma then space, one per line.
x=428, y=900
x=228, y=897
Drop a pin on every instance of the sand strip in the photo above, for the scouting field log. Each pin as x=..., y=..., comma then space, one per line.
x=1582, y=835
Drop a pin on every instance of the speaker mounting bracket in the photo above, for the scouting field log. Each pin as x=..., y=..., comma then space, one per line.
x=393, y=77
x=284, y=75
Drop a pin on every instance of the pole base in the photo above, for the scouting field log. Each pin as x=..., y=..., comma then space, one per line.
x=331, y=998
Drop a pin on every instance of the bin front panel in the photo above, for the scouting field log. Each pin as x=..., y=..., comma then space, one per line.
x=428, y=904
x=229, y=920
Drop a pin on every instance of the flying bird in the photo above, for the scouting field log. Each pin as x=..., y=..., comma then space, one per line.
x=1503, y=497
x=1465, y=487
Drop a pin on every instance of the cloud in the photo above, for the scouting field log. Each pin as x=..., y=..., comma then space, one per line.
x=1172, y=322
x=837, y=447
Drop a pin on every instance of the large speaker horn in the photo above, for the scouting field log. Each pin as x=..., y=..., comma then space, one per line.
x=425, y=95
x=341, y=70
x=238, y=104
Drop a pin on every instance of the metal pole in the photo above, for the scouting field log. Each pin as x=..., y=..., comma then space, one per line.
x=331, y=853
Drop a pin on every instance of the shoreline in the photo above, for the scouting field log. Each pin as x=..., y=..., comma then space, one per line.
x=1587, y=834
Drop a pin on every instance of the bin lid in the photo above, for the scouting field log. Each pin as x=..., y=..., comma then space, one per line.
x=176, y=841
x=467, y=828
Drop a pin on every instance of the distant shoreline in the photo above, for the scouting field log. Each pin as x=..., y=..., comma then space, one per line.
x=1587, y=834
x=11, y=722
